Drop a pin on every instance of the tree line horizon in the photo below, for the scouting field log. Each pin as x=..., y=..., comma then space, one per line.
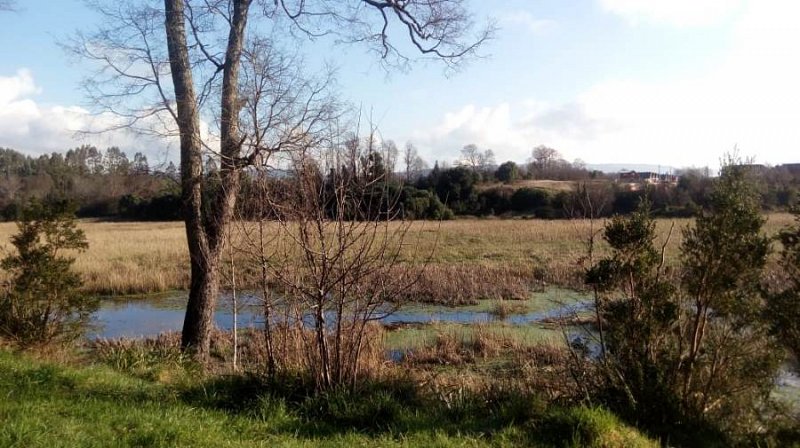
x=110, y=185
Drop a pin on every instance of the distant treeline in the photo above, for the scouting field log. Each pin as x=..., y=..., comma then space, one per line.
x=108, y=184
x=102, y=184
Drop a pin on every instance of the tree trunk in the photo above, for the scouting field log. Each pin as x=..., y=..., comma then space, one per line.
x=204, y=234
x=204, y=284
x=700, y=320
x=199, y=320
x=322, y=344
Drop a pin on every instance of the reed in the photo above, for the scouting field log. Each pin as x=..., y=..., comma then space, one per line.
x=453, y=344
x=160, y=357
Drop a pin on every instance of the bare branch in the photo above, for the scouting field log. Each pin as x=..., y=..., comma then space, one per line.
x=442, y=29
x=195, y=69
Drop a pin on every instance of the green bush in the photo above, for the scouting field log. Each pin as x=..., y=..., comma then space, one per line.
x=528, y=199
x=423, y=204
x=507, y=172
x=42, y=302
x=784, y=305
x=495, y=201
x=688, y=354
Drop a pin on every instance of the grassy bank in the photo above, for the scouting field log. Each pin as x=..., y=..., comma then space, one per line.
x=54, y=405
x=131, y=258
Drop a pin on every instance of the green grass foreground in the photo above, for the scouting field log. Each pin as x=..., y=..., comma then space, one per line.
x=52, y=405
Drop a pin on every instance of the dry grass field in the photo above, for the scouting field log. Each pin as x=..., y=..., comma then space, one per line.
x=479, y=255
x=553, y=186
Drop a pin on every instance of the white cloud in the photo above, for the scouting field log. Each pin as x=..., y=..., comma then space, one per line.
x=488, y=127
x=751, y=100
x=527, y=21
x=34, y=128
x=510, y=130
x=684, y=13
x=14, y=87
x=569, y=120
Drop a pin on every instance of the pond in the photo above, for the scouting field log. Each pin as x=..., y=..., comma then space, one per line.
x=149, y=316
x=137, y=317
x=141, y=317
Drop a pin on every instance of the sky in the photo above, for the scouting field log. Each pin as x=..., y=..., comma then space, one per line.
x=674, y=83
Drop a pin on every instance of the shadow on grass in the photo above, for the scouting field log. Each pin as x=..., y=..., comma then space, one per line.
x=289, y=408
x=398, y=409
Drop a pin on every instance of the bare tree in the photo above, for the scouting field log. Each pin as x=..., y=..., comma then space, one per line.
x=254, y=241
x=7, y=5
x=390, y=154
x=543, y=157
x=194, y=65
x=409, y=155
x=333, y=252
x=470, y=156
x=412, y=161
x=473, y=157
x=589, y=200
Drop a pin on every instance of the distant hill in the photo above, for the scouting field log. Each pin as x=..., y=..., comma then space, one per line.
x=617, y=167
x=554, y=186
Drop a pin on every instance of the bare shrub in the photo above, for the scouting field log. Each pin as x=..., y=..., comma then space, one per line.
x=336, y=259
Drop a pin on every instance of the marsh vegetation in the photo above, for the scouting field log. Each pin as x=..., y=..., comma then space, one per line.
x=504, y=356
x=127, y=258
x=339, y=310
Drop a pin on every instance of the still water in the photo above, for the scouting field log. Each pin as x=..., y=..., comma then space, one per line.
x=149, y=316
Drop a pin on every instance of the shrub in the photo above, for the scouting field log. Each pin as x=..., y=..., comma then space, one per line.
x=784, y=305
x=163, y=207
x=507, y=172
x=496, y=201
x=637, y=309
x=690, y=355
x=529, y=199
x=730, y=360
x=456, y=187
x=423, y=204
x=42, y=301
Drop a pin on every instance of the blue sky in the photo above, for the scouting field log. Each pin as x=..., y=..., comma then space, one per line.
x=608, y=81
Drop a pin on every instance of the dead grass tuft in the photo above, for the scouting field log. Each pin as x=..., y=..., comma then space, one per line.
x=161, y=356
x=459, y=284
x=455, y=347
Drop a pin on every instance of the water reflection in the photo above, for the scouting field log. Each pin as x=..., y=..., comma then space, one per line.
x=145, y=317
